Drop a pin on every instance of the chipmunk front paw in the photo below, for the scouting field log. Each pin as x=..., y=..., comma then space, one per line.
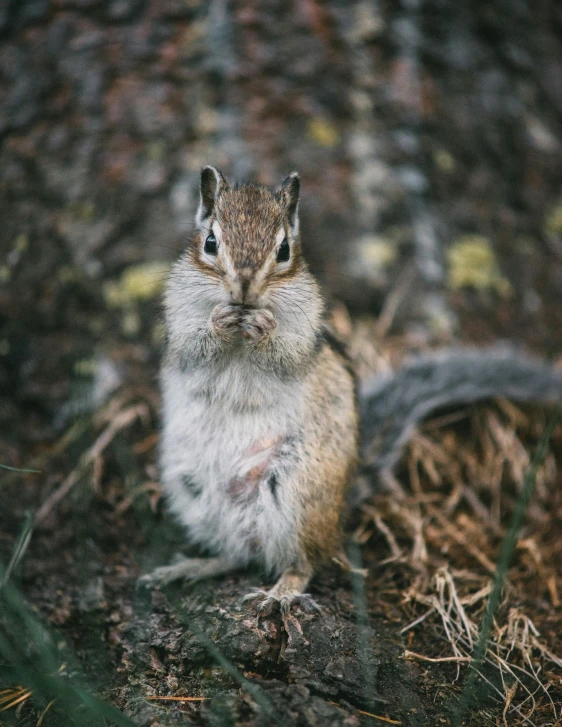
x=257, y=324
x=225, y=321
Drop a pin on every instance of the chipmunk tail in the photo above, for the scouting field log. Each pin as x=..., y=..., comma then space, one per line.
x=393, y=406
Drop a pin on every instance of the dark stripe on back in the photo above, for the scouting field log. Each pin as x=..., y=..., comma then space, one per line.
x=335, y=344
x=326, y=337
x=273, y=482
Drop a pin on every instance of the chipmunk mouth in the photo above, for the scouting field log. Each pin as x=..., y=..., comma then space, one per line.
x=245, y=306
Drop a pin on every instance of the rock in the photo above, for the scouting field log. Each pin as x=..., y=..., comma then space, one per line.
x=92, y=596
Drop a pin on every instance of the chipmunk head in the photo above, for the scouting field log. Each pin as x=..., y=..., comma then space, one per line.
x=248, y=237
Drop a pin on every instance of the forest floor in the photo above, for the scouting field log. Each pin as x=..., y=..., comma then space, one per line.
x=428, y=137
x=392, y=649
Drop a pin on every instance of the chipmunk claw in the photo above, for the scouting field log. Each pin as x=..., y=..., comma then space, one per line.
x=265, y=603
x=307, y=603
x=254, y=594
x=262, y=603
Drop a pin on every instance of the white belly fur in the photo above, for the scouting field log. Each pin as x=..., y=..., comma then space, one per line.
x=214, y=440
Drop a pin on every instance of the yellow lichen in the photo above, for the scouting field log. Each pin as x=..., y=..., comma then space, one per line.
x=472, y=263
x=84, y=211
x=158, y=335
x=444, y=160
x=68, y=274
x=130, y=323
x=553, y=221
x=155, y=151
x=138, y=282
x=323, y=132
x=21, y=242
x=86, y=367
x=377, y=252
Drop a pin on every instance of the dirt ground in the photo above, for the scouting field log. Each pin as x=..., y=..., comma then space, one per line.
x=429, y=141
x=425, y=555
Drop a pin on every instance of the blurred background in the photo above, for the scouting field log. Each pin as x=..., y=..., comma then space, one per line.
x=428, y=136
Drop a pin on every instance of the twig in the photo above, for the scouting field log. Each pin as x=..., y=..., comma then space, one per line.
x=385, y=530
x=44, y=712
x=393, y=300
x=122, y=419
x=75, y=431
x=435, y=660
x=369, y=714
x=17, y=698
x=460, y=538
x=377, y=716
x=417, y=621
x=180, y=699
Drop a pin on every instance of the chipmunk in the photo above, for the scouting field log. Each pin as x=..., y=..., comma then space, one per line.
x=262, y=418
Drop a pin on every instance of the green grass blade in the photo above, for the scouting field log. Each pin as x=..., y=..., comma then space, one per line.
x=19, y=549
x=30, y=655
x=18, y=469
x=468, y=696
x=364, y=653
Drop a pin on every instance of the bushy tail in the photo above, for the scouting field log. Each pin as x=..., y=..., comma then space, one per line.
x=393, y=406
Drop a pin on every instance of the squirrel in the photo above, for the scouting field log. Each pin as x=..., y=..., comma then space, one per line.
x=263, y=422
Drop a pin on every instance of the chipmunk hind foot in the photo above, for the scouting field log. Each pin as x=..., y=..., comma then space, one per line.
x=189, y=569
x=286, y=593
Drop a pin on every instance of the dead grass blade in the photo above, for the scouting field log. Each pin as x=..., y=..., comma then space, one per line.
x=435, y=660
x=464, y=485
x=506, y=554
x=396, y=553
x=393, y=301
x=121, y=420
x=370, y=714
x=179, y=699
x=14, y=699
x=44, y=712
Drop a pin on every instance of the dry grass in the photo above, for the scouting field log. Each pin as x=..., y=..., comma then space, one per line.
x=462, y=475
x=442, y=522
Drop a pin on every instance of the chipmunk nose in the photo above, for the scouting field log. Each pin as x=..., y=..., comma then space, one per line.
x=240, y=292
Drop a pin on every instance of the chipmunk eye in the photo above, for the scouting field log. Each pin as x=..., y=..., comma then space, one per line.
x=211, y=245
x=284, y=252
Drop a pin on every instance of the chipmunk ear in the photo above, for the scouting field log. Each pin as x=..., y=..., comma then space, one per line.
x=212, y=182
x=288, y=195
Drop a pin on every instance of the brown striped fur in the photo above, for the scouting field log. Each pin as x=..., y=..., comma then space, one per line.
x=247, y=334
